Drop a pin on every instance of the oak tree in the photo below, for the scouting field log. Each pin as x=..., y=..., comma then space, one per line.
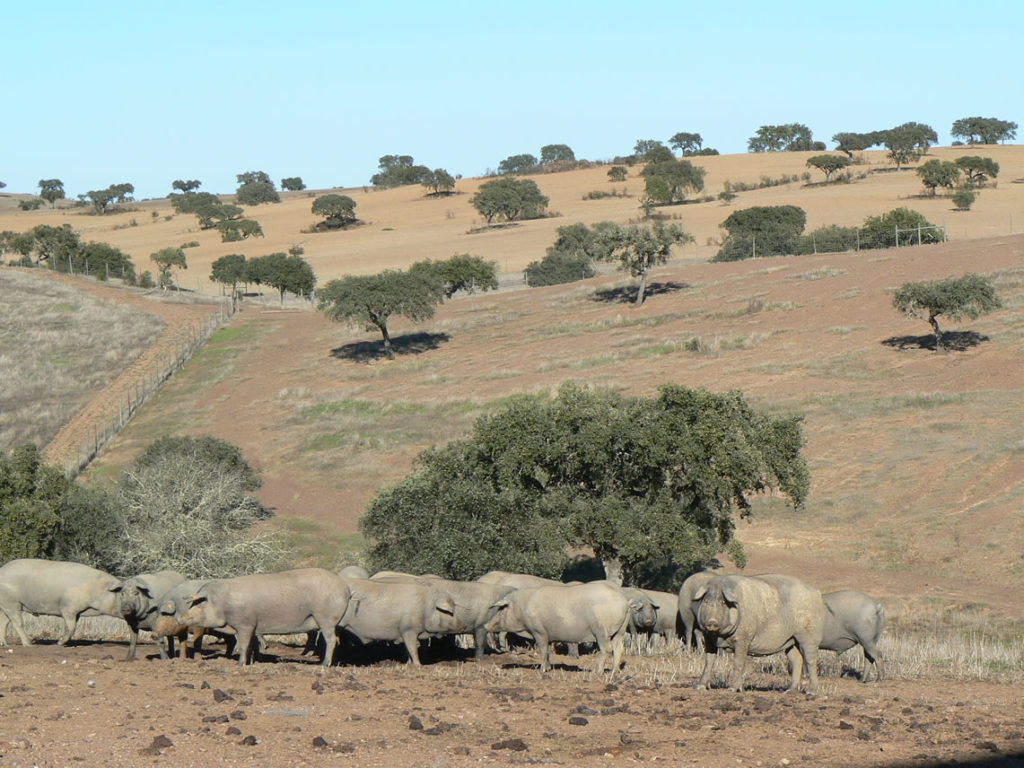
x=956, y=298
x=371, y=300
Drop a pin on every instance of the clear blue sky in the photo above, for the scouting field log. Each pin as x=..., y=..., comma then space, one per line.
x=148, y=92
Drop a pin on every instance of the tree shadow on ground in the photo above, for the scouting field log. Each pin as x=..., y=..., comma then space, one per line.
x=627, y=293
x=407, y=344
x=953, y=341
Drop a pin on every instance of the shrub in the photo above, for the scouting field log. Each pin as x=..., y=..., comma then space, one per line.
x=558, y=267
x=182, y=505
x=913, y=228
x=44, y=514
x=829, y=239
x=964, y=198
x=763, y=230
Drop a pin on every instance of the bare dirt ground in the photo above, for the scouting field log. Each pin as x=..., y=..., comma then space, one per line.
x=87, y=706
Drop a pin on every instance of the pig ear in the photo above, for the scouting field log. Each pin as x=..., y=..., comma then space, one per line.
x=197, y=600
x=699, y=594
x=446, y=606
x=115, y=588
x=145, y=591
x=501, y=604
x=729, y=594
x=636, y=605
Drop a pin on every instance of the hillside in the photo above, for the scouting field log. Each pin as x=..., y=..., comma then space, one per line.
x=916, y=458
x=404, y=225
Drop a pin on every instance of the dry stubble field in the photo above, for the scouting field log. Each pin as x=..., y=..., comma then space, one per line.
x=917, y=466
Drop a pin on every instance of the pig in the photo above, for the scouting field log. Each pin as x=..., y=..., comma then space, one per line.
x=579, y=613
x=853, y=618
x=399, y=611
x=760, y=616
x=54, y=588
x=139, y=602
x=271, y=603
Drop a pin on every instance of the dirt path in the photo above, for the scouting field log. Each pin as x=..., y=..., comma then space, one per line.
x=87, y=706
x=181, y=317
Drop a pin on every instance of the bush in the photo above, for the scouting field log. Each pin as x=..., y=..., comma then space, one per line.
x=881, y=230
x=559, y=267
x=964, y=198
x=44, y=514
x=763, y=230
x=256, y=192
x=829, y=239
x=182, y=505
x=31, y=205
x=146, y=280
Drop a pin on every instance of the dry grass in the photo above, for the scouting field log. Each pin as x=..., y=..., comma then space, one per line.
x=58, y=347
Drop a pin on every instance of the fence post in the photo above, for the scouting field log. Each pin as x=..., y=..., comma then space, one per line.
x=919, y=233
x=897, y=228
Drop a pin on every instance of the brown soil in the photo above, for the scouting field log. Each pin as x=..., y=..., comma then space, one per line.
x=87, y=706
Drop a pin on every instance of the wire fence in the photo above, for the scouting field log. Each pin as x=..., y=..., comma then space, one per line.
x=137, y=392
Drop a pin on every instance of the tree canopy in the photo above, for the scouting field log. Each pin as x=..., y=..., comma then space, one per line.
x=234, y=230
x=370, y=300
x=939, y=173
x=913, y=229
x=790, y=137
x=439, y=180
x=762, y=230
x=186, y=185
x=956, y=298
x=398, y=171
x=51, y=190
x=570, y=257
x=102, y=198
x=524, y=163
x=255, y=187
x=461, y=272
x=229, y=270
x=848, y=143
x=339, y=210
x=509, y=199
x=828, y=164
x=557, y=155
x=293, y=184
x=984, y=130
x=668, y=181
x=687, y=143
x=650, y=484
x=166, y=259
x=43, y=513
x=907, y=142
x=638, y=249
x=978, y=169
x=285, y=272
x=209, y=209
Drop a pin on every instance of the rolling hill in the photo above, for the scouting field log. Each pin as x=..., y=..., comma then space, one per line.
x=916, y=456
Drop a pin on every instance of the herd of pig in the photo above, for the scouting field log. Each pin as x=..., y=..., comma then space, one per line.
x=747, y=615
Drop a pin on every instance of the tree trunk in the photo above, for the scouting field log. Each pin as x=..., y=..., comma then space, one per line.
x=612, y=569
x=387, y=342
x=642, y=289
x=938, y=333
